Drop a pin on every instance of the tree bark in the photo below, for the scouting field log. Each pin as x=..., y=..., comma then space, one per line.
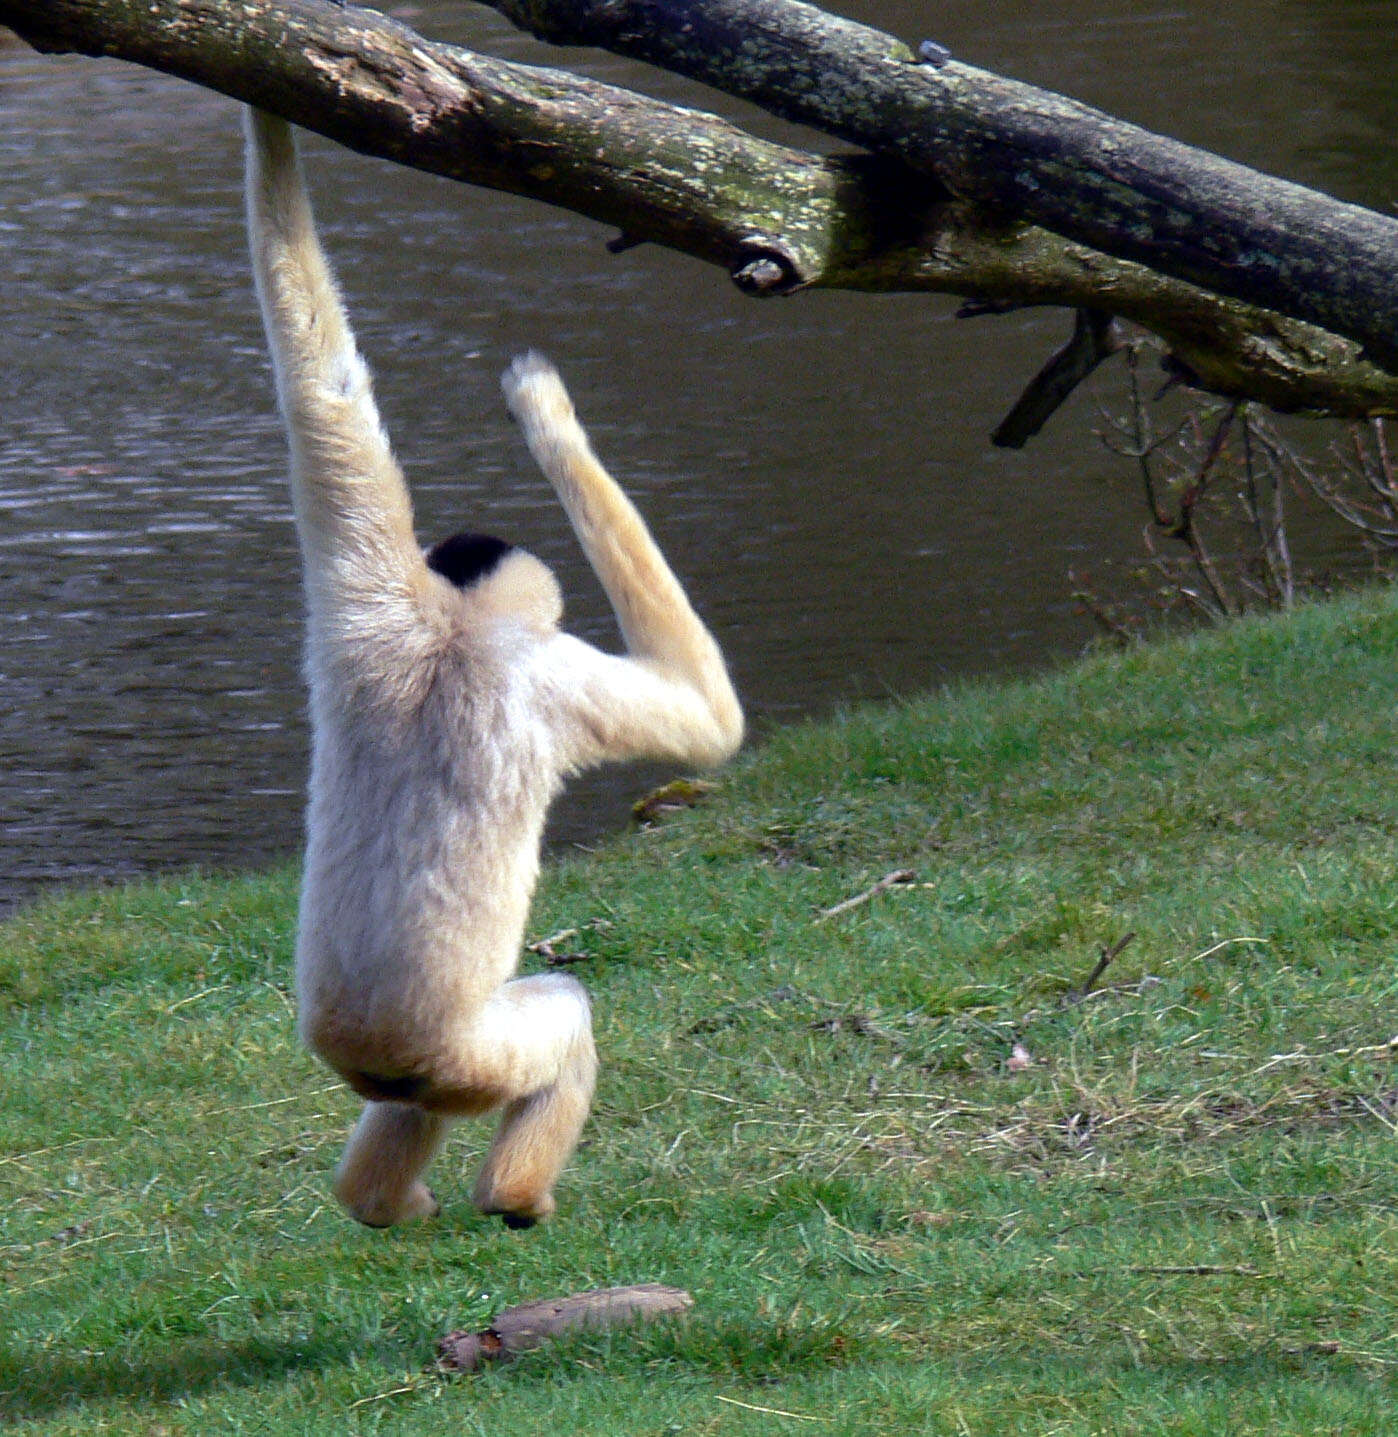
x=776, y=218
x=1035, y=155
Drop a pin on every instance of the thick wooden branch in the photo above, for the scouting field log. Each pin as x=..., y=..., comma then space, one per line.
x=684, y=180
x=521, y=1329
x=1038, y=156
x=776, y=218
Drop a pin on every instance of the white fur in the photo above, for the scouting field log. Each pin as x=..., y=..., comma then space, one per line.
x=444, y=721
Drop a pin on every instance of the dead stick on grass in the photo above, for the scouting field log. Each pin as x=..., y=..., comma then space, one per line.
x=532, y=1324
x=546, y=946
x=1226, y=943
x=1198, y=1269
x=770, y=1411
x=1108, y=956
x=889, y=880
x=1389, y=1049
x=547, y=950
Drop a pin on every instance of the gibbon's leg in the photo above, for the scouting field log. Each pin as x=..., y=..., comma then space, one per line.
x=378, y=1180
x=535, y=1139
x=531, y=1049
x=657, y=621
x=536, y=1053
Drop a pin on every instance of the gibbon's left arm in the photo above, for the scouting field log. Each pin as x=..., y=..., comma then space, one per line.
x=353, y=514
x=670, y=696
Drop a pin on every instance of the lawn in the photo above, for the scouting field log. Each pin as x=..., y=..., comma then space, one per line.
x=922, y=1169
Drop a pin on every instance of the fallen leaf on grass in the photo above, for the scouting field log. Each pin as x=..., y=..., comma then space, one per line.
x=670, y=798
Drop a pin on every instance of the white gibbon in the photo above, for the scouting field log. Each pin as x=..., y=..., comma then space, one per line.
x=446, y=709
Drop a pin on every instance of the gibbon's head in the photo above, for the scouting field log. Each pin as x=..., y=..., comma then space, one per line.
x=464, y=558
x=499, y=575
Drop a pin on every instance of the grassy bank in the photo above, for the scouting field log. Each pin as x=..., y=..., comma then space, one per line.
x=1180, y=1216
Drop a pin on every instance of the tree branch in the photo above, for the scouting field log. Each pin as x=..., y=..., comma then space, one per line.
x=530, y=1325
x=775, y=218
x=1041, y=157
x=1094, y=339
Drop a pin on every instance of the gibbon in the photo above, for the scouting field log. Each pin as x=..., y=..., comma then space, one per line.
x=446, y=709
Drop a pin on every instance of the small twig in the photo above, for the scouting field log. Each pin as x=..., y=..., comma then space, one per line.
x=859, y=1023
x=1187, y=531
x=384, y=1396
x=1385, y=463
x=1109, y=955
x=889, y=880
x=1138, y=439
x=547, y=949
x=564, y=960
x=1375, y=1113
x=195, y=997
x=1265, y=511
x=545, y=946
x=1101, y=612
x=1389, y=1049
x=1226, y=943
x=770, y=1411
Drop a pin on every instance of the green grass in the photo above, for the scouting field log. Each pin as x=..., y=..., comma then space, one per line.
x=1182, y=1218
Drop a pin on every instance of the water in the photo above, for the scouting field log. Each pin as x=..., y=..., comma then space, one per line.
x=817, y=468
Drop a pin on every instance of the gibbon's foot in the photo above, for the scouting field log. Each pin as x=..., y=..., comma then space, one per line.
x=515, y=1221
x=420, y=1202
x=519, y=1215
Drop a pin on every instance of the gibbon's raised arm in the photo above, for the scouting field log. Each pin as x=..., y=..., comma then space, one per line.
x=677, y=700
x=354, y=516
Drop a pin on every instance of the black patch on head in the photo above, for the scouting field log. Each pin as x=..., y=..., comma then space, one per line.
x=464, y=558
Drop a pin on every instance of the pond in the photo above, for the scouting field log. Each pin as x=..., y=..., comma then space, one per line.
x=818, y=468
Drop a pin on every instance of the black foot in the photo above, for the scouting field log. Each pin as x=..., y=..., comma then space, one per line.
x=517, y=1221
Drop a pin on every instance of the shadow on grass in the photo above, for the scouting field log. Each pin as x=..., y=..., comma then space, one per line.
x=1262, y=1390
x=41, y=1385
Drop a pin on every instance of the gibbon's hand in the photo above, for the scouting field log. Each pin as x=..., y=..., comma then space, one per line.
x=535, y=394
